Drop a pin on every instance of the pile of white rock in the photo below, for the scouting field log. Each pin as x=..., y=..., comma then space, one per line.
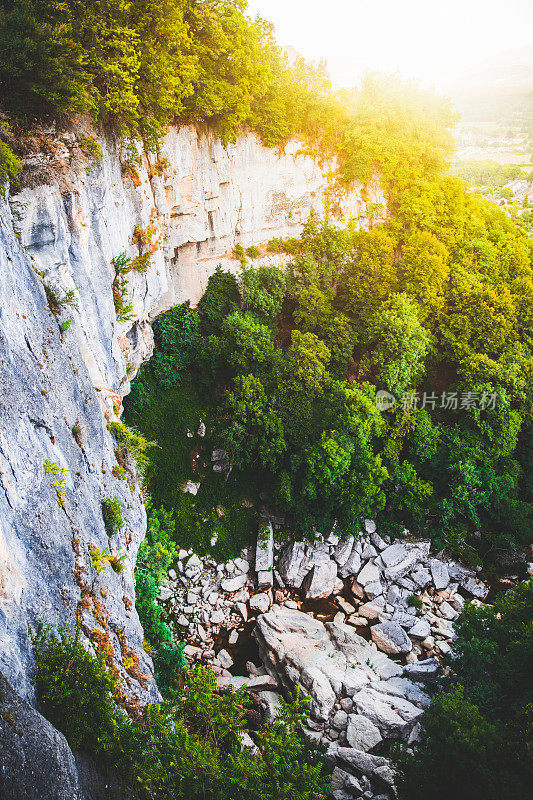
x=363, y=658
x=406, y=598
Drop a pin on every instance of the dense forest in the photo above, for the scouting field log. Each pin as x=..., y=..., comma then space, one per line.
x=387, y=373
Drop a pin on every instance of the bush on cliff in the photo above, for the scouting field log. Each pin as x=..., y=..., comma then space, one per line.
x=188, y=748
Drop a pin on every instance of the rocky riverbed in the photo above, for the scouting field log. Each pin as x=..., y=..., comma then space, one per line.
x=360, y=625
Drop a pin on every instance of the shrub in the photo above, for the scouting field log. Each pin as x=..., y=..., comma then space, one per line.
x=220, y=299
x=57, y=303
x=74, y=687
x=415, y=601
x=10, y=165
x=263, y=289
x=476, y=735
x=99, y=558
x=112, y=512
x=131, y=444
x=253, y=251
x=176, y=336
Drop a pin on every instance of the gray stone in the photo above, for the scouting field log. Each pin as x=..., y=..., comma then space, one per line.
x=224, y=659
x=447, y=611
x=369, y=574
x=421, y=577
x=420, y=629
x=393, y=554
x=265, y=579
x=320, y=582
x=423, y=671
x=233, y=584
x=264, y=551
x=361, y=733
x=340, y=720
x=290, y=564
x=343, y=551
x=352, y=566
x=391, y=638
x=36, y=761
x=439, y=573
x=475, y=588
x=260, y=602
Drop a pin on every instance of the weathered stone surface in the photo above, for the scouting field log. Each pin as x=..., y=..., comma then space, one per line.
x=320, y=582
x=369, y=574
x=290, y=564
x=439, y=573
x=233, y=584
x=423, y=671
x=393, y=554
x=36, y=762
x=361, y=733
x=264, y=551
x=391, y=638
x=343, y=551
x=260, y=602
x=420, y=629
x=476, y=588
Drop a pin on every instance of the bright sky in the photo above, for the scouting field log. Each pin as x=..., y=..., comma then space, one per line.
x=435, y=41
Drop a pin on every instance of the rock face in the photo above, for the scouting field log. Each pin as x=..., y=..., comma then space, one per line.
x=36, y=762
x=50, y=413
x=62, y=230
x=339, y=670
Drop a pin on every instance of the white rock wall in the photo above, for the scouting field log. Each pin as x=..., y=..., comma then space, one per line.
x=64, y=233
x=205, y=200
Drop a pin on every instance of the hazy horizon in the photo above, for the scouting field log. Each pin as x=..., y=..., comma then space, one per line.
x=437, y=44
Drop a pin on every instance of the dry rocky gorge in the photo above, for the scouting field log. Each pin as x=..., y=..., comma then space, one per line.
x=359, y=625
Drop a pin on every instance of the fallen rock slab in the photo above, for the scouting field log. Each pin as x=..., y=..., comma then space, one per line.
x=391, y=638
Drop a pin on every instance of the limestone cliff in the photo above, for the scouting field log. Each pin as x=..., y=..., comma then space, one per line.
x=57, y=387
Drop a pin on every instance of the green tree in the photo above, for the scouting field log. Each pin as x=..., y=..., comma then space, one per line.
x=398, y=344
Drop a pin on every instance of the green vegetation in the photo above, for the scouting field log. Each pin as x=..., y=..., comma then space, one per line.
x=156, y=555
x=112, y=512
x=476, y=735
x=60, y=479
x=140, y=66
x=489, y=173
x=10, y=165
x=132, y=451
x=187, y=748
x=434, y=307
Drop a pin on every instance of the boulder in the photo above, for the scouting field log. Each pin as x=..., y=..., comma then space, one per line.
x=265, y=579
x=320, y=582
x=352, y=566
x=439, y=573
x=476, y=588
x=271, y=703
x=290, y=564
x=224, y=659
x=36, y=761
x=393, y=716
x=361, y=733
x=343, y=551
x=234, y=584
x=393, y=554
x=420, y=629
x=423, y=671
x=391, y=638
x=260, y=602
x=369, y=574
